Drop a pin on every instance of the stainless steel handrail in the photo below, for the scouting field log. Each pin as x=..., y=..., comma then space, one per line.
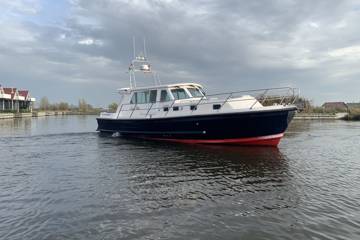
x=172, y=104
x=149, y=109
x=229, y=98
x=205, y=103
x=197, y=104
x=133, y=109
x=265, y=97
x=119, y=110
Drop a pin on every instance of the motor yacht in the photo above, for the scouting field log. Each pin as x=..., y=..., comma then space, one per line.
x=185, y=113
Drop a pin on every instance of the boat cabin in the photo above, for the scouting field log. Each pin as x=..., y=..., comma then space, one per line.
x=175, y=100
x=161, y=94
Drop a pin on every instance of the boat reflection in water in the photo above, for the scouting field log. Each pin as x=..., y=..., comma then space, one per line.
x=165, y=175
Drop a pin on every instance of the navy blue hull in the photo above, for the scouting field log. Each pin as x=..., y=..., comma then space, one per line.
x=215, y=128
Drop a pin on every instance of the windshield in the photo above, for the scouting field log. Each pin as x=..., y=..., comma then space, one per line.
x=179, y=93
x=164, y=96
x=195, y=92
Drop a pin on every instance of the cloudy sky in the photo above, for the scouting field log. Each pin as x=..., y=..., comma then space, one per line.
x=71, y=49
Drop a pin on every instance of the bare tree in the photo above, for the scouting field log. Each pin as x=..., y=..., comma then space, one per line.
x=44, y=103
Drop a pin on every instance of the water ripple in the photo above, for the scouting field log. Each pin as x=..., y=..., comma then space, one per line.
x=61, y=180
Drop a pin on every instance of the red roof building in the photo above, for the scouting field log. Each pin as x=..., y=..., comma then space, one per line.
x=24, y=93
x=10, y=91
x=12, y=100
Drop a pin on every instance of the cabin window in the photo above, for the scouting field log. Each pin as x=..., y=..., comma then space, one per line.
x=134, y=98
x=193, y=107
x=164, y=96
x=143, y=97
x=195, y=92
x=153, y=94
x=176, y=108
x=140, y=97
x=179, y=93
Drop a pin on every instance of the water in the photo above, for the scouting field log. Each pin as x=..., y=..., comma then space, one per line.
x=59, y=179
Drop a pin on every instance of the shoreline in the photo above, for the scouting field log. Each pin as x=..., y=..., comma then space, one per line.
x=43, y=114
x=321, y=116
x=298, y=116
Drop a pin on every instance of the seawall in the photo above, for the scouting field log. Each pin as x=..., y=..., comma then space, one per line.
x=6, y=115
x=43, y=114
x=314, y=116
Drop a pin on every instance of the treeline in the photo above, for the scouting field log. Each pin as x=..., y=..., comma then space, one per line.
x=82, y=106
x=306, y=106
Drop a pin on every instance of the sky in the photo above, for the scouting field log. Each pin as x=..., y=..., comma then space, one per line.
x=72, y=49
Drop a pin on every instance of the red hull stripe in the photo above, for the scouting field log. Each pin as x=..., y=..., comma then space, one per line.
x=270, y=140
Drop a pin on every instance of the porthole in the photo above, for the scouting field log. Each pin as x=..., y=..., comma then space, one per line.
x=216, y=106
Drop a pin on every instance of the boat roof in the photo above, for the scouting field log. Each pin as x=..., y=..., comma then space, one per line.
x=159, y=86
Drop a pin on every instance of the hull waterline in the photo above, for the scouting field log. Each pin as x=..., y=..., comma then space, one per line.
x=271, y=140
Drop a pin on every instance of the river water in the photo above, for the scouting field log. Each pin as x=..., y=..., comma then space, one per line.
x=59, y=179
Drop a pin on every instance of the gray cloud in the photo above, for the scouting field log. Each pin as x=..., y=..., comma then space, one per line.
x=225, y=45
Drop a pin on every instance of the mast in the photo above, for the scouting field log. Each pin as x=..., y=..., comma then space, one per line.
x=140, y=63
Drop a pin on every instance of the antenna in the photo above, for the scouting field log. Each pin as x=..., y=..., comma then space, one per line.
x=134, y=46
x=145, y=48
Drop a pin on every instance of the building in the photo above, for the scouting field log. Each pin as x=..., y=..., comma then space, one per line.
x=15, y=100
x=335, y=106
x=354, y=105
